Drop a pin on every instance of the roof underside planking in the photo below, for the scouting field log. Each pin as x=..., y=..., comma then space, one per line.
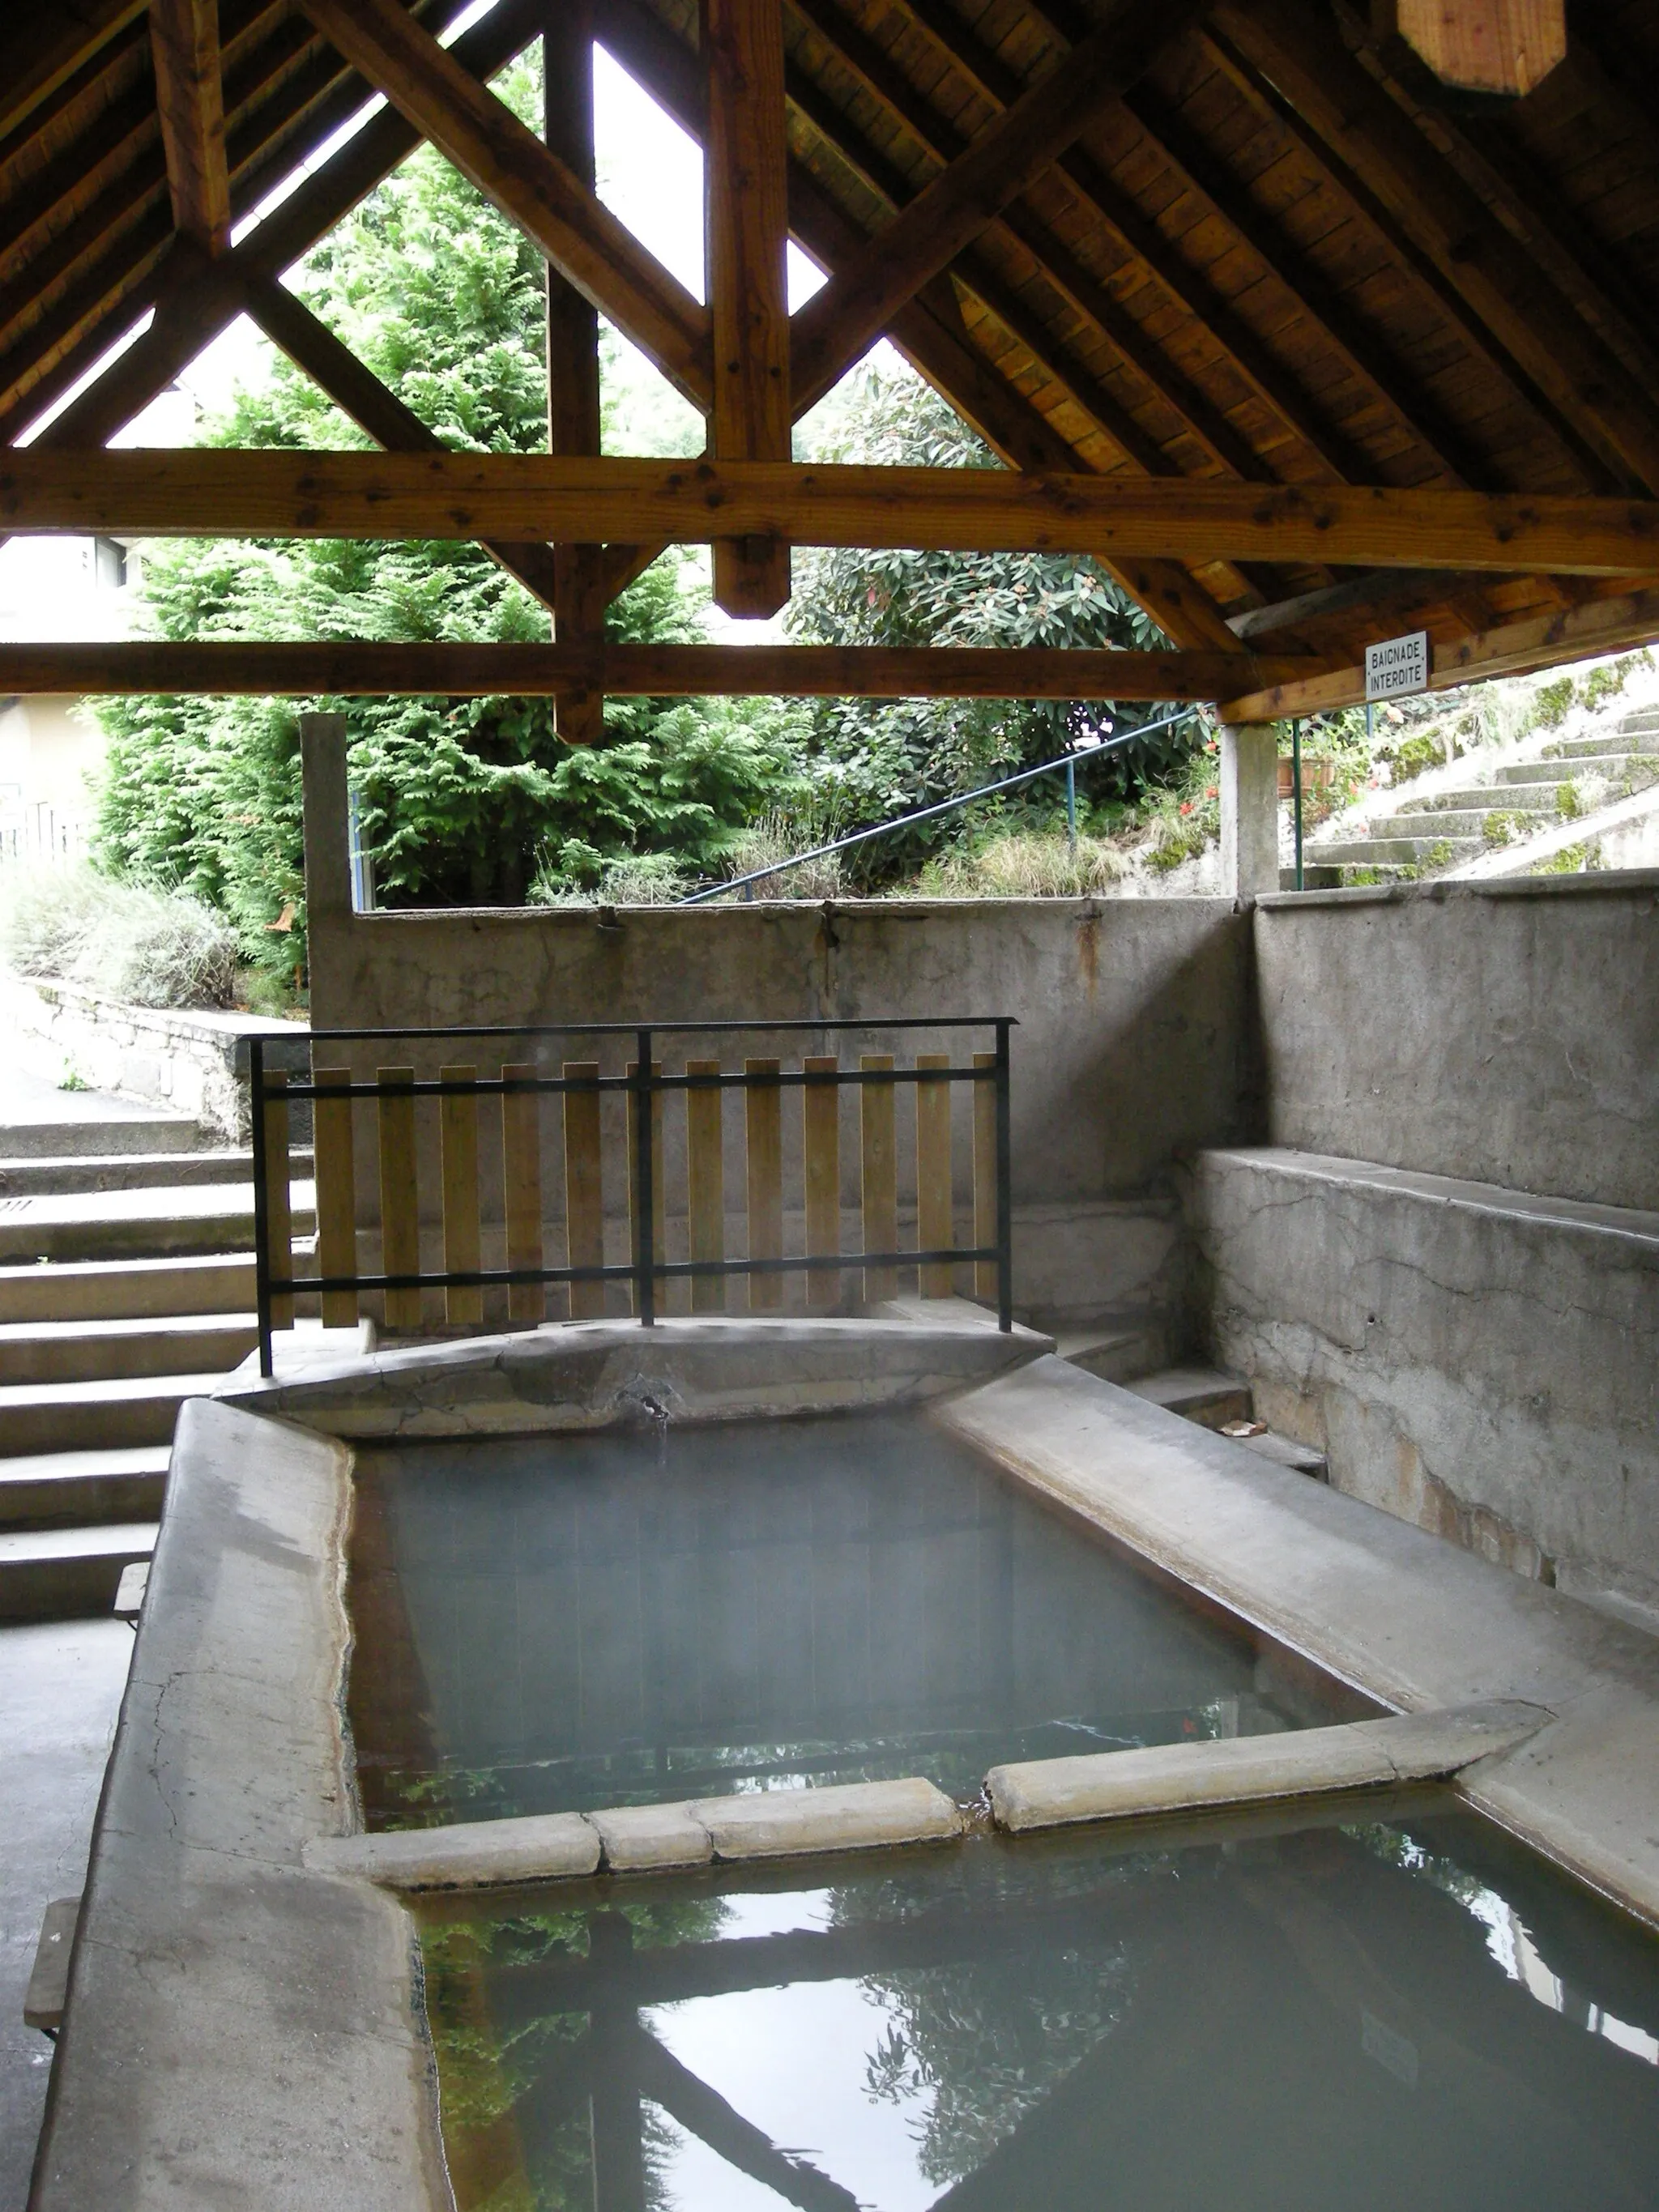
x=1193, y=249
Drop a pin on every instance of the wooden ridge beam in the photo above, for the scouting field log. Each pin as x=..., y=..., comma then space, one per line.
x=346, y=668
x=928, y=331
x=1515, y=648
x=834, y=329
x=746, y=174
x=1385, y=592
x=190, y=492
x=590, y=247
x=1298, y=45
x=184, y=37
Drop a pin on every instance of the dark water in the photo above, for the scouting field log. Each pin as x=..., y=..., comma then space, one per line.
x=1402, y=2012
x=545, y=1625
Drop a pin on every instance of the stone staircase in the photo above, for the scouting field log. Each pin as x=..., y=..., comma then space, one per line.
x=1446, y=829
x=1220, y=1402
x=126, y=1286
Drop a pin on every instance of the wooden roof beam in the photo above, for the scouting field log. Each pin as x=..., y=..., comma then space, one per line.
x=1384, y=592
x=1297, y=44
x=590, y=247
x=195, y=301
x=1139, y=237
x=1085, y=292
x=184, y=37
x=835, y=328
x=746, y=184
x=348, y=668
x=1515, y=648
x=46, y=45
x=358, y=393
x=281, y=493
x=928, y=331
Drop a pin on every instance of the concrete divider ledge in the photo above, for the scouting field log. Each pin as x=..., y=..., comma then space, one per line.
x=639, y=1839
x=1168, y=1777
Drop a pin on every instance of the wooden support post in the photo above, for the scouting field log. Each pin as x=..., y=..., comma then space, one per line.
x=985, y=1177
x=400, y=1218
x=935, y=1213
x=705, y=1182
x=746, y=165
x=573, y=352
x=279, y=1222
x=879, y=1161
x=763, y=1133
x=459, y=1120
x=659, y=1179
x=184, y=38
x=821, y=1167
x=521, y=1189
x=337, y=1195
x=584, y=1188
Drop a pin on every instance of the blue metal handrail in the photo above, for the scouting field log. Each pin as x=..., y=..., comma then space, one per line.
x=1067, y=761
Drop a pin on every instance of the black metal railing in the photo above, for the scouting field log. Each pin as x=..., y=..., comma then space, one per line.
x=331, y=1092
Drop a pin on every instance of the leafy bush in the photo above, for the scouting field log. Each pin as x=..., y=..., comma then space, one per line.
x=126, y=940
x=773, y=837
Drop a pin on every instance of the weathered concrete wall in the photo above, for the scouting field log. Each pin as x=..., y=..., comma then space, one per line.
x=1133, y=1044
x=1484, y=1365
x=1504, y=1031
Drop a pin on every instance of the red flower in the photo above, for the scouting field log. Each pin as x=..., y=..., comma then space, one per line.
x=1186, y=806
x=1211, y=793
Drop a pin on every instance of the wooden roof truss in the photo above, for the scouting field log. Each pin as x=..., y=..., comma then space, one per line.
x=1306, y=347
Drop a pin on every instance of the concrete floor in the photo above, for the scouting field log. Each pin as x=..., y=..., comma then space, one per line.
x=60, y=1690
x=26, y=1099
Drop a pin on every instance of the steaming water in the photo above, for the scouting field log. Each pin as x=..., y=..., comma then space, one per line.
x=642, y=1616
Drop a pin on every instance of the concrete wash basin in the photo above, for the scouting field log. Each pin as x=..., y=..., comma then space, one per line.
x=245, y=2022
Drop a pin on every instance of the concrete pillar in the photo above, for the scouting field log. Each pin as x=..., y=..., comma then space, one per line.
x=328, y=853
x=1249, y=808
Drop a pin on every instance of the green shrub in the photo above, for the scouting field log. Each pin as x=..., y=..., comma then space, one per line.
x=1553, y=703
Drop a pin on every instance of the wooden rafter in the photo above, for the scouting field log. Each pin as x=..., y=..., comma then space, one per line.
x=747, y=184
x=1514, y=648
x=521, y=496
x=345, y=668
x=928, y=331
x=195, y=301
x=1297, y=45
x=190, y=97
x=511, y=166
x=835, y=328
x=45, y=45
x=312, y=346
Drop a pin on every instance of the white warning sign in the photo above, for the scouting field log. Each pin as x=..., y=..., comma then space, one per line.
x=1398, y=666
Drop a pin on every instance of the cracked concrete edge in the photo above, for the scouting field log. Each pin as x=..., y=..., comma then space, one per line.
x=641, y=1839
x=1114, y=1785
x=239, y=2029
x=567, y=1377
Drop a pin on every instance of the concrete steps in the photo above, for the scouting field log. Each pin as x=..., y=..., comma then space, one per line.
x=127, y=1290
x=1616, y=766
x=95, y=1416
x=55, y=1574
x=93, y=1350
x=93, y=1135
x=28, y=1177
x=80, y=1488
x=1212, y=1400
x=1478, y=799
x=1392, y=852
x=153, y=1223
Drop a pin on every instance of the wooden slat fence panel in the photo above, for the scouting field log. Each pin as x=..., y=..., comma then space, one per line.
x=878, y=1148
x=279, y=1223
x=705, y=1186
x=934, y=1208
x=400, y=1218
x=337, y=1195
x=521, y=1189
x=463, y=1244
x=762, y=1102
x=821, y=1173
x=584, y=1186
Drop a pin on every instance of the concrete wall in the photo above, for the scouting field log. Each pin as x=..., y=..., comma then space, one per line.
x=1133, y=1040
x=1484, y=1365
x=1505, y=1031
